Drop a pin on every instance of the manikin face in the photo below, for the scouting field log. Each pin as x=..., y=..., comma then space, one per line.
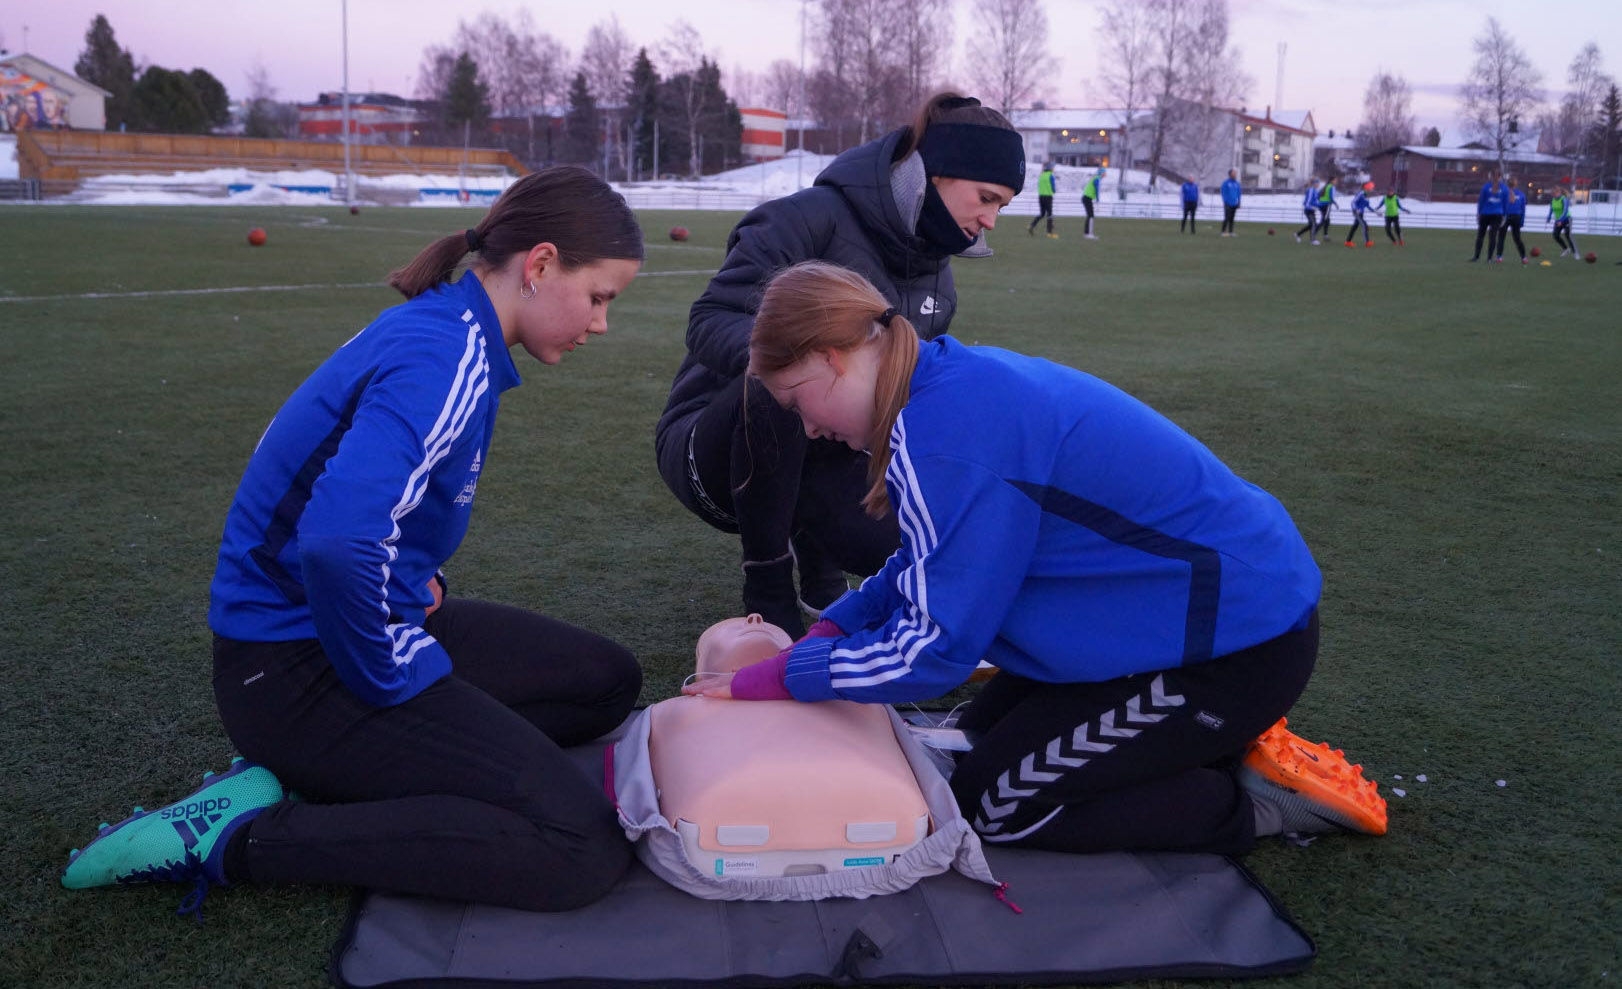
x=832, y=393
x=568, y=305
x=733, y=643
x=974, y=205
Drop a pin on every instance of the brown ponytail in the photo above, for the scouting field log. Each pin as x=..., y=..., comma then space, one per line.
x=565, y=206
x=817, y=306
x=947, y=108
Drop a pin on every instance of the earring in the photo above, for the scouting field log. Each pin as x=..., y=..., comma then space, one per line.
x=527, y=295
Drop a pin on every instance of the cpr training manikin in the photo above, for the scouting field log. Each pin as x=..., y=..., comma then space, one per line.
x=780, y=788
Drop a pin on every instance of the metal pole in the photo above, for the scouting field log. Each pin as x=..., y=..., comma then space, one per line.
x=349, y=174
x=655, y=149
x=799, y=160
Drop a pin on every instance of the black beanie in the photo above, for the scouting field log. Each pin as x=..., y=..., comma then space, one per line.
x=978, y=152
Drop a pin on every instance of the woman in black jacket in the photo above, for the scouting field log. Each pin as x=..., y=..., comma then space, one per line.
x=895, y=210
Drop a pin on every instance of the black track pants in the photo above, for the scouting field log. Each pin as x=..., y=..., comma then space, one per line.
x=1512, y=228
x=463, y=791
x=1140, y=762
x=1393, y=223
x=1044, y=207
x=1228, y=213
x=1188, y=217
x=1488, y=227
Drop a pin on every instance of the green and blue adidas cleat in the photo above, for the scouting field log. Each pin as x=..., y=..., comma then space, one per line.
x=183, y=842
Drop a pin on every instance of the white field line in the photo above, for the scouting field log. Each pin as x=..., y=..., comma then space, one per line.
x=238, y=289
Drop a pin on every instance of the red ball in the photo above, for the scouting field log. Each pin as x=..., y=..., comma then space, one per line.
x=1590, y=257
x=354, y=210
x=678, y=233
x=1537, y=252
x=256, y=237
x=1270, y=231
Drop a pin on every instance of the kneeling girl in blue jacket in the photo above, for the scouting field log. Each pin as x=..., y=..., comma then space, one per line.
x=1153, y=615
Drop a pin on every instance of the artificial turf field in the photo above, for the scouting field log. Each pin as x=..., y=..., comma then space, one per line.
x=1447, y=436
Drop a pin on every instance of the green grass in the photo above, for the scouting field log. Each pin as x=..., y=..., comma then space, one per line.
x=1448, y=437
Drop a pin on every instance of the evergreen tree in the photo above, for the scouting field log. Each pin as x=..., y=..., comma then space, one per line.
x=105, y=64
x=166, y=102
x=1610, y=126
x=720, y=127
x=582, y=128
x=1433, y=138
x=212, y=98
x=467, y=97
x=642, y=107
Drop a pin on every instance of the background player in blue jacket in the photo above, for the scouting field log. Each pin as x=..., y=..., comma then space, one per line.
x=1360, y=205
x=1230, y=202
x=1514, y=217
x=1309, y=206
x=898, y=209
x=1151, y=613
x=1490, y=216
x=1191, y=202
x=426, y=731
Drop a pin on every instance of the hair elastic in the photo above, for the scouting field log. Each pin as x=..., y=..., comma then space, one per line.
x=887, y=315
x=473, y=240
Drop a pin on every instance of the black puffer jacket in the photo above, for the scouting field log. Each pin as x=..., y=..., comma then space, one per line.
x=849, y=217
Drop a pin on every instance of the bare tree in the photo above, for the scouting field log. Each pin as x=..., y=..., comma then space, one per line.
x=683, y=55
x=858, y=45
x=606, y=61
x=1580, y=110
x=924, y=33
x=1009, y=51
x=493, y=44
x=780, y=88
x=1125, y=77
x=1388, y=116
x=830, y=94
x=1502, y=90
x=746, y=88
x=541, y=63
x=1169, y=32
x=1201, y=135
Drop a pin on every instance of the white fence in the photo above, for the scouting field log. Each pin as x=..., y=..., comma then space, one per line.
x=1604, y=218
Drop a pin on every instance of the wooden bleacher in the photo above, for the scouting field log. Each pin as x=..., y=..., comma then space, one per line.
x=61, y=159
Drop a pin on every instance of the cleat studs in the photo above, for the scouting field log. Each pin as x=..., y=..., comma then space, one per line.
x=138, y=810
x=208, y=774
x=103, y=826
x=236, y=760
x=73, y=855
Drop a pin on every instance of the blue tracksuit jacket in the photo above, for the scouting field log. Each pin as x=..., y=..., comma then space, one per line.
x=360, y=490
x=1515, y=203
x=1361, y=203
x=1309, y=202
x=1191, y=192
x=1230, y=192
x=1060, y=529
x=1491, y=200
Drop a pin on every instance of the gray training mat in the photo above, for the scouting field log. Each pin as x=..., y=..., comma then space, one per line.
x=1085, y=919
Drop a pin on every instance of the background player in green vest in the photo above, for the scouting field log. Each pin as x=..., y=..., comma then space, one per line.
x=1326, y=202
x=1391, y=206
x=1089, y=196
x=1560, y=213
x=1045, y=184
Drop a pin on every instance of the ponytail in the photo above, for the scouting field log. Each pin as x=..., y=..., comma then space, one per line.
x=566, y=206
x=817, y=306
x=948, y=108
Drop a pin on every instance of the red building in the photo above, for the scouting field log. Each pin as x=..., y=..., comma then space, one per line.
x=1456, y=175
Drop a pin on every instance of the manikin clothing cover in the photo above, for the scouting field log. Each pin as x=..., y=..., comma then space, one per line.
x=782, y=800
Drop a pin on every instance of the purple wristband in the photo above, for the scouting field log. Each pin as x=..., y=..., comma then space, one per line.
x=762, y=681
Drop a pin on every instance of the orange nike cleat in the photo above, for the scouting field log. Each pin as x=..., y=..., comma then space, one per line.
x=1313, y=786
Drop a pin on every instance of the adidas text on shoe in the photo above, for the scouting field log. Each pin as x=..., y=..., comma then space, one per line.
x=183, y=842
x=1313, y=786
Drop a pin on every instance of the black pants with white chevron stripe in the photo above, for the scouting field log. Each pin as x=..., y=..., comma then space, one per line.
x=1137, y=763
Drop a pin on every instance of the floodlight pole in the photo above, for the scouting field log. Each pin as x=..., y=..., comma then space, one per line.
x=349, y=174
x=799, y=159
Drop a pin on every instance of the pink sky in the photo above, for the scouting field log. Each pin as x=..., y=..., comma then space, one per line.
x=1331, y=54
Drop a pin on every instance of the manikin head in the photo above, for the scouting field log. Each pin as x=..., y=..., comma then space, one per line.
x=733, y=643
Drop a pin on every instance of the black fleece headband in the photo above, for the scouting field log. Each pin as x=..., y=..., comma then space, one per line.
x=977, y=152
